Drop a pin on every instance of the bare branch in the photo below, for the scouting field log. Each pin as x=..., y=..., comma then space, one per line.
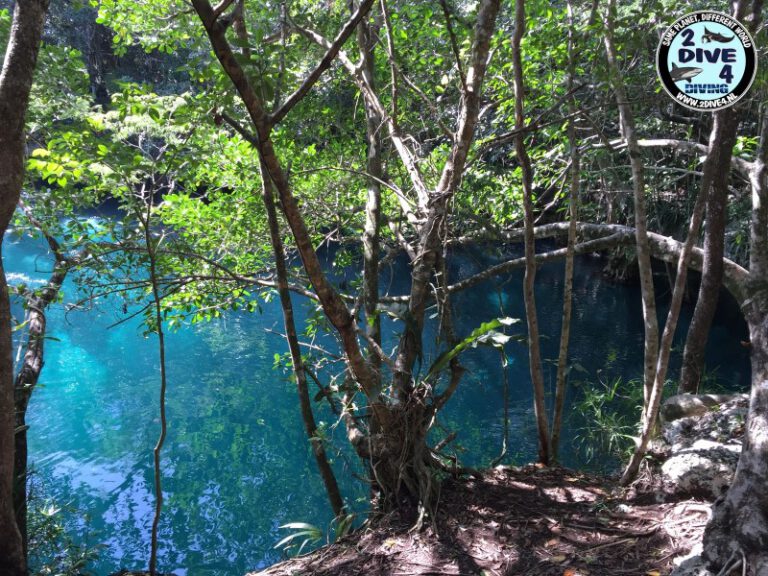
x=454, y=45
x=330, y=55
x=391, y=58
x=407, y=156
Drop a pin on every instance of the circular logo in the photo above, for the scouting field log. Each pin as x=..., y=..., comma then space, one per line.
x=706, y=60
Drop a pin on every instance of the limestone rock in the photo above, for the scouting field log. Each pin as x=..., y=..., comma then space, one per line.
x=704, y=471
x=691, y=565
x=704, y=445
x=689, y=405
x=723, y=424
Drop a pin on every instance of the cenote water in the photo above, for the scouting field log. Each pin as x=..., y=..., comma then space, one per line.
x=237, y=464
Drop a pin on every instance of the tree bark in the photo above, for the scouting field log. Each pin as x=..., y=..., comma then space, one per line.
x=25, y=382
x=739, y=525
x=366, y=43
x=318, y=449
x=565, y=329
x=651, y=347
x=722, y=140
x=15, y=85
x=534, y=346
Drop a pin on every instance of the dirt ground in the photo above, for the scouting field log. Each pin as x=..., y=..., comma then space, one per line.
x=537, y=521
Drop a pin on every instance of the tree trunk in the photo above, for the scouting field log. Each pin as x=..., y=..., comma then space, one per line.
x=534, y=346
x=100, y=61
x=720, y=151
x=739, y=523
x=32, y=364
x=651, y=348
x=367, y=42
x=25, y=382
x=397, y=446
x=15, y=86
x=651, y=408
x=318, y=449
x=151, y=246
x=565, y=329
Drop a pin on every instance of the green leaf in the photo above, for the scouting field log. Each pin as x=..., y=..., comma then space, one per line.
x=486, y=333
x=40, y=152
x=299, y=525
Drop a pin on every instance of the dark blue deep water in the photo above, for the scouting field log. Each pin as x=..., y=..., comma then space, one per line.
x=236, y=463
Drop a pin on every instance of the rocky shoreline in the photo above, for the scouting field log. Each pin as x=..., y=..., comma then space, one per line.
x=697, y=455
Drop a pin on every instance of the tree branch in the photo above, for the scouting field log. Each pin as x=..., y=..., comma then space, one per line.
x=330, y=54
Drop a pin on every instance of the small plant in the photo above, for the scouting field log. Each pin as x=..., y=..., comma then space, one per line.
x=309, y=535
x=304, y=534
x=344, y=526
x=607, y=428
x=53, y=551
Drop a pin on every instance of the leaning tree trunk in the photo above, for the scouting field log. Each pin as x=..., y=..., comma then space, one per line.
x=15, y=86
x=721, y=145
x=25, y=383
x=307, y=416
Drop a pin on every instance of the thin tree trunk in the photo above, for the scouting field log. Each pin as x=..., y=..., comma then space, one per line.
x=151, y=247
x=371, y=248
x=651, y=347
x=534, y=348
x=716, y=169
x=100, y=61
x=318, y=449
x=651, y=408
x=29, y=373
x=565, y=330
x=333, y=306
x=15, y=85
x=722, y=140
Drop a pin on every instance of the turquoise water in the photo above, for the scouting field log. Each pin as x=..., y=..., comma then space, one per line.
x=236, y=463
